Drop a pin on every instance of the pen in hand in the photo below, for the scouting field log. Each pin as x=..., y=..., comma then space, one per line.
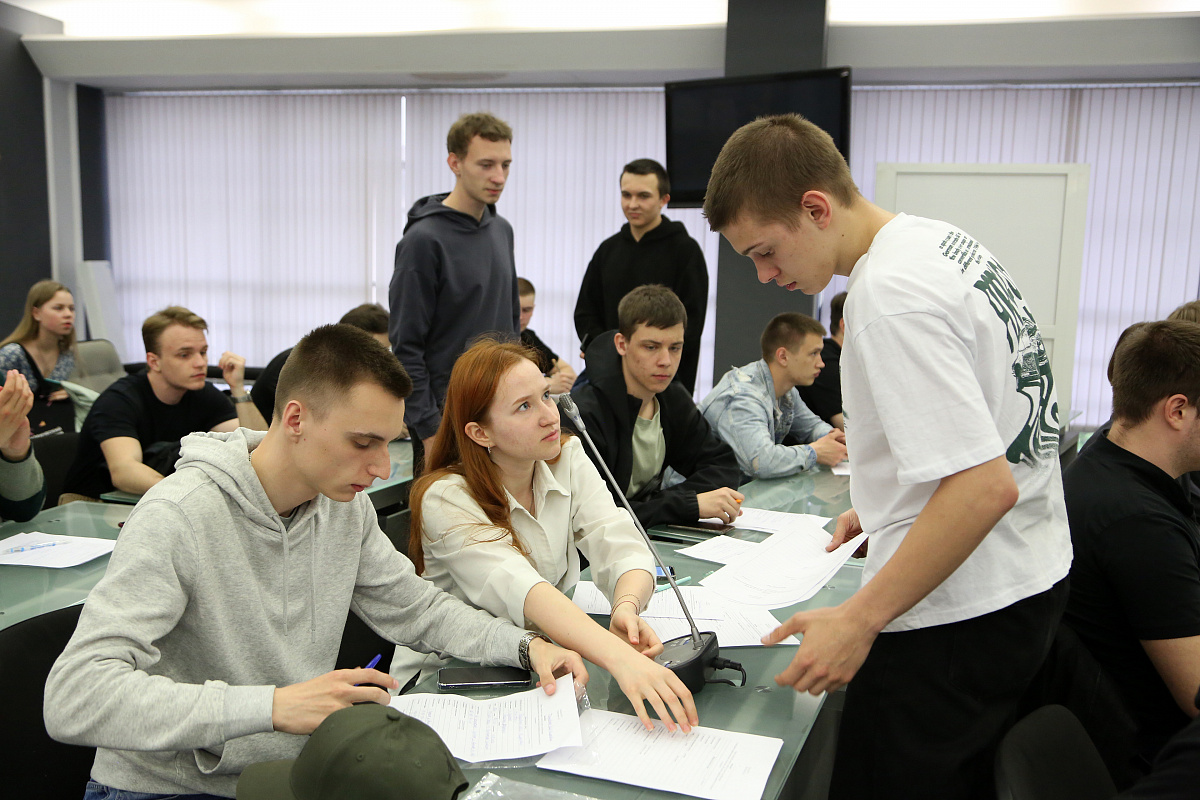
x=373, y=662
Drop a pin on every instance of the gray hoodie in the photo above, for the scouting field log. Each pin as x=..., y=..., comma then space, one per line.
x=455, y=279
x=209, y=603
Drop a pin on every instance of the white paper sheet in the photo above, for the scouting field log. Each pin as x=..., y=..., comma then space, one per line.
x=743, y=626
x=720, y=549
x=841, y=468
x=707, y=762
x=783, y=570
x=515, y=726
x=763, y=519
x=67, y=551
x=701, y=602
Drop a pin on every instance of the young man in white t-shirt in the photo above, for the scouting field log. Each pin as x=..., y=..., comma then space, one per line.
x=952, y=426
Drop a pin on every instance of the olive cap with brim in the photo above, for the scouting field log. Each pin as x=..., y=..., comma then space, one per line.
x=364, y=752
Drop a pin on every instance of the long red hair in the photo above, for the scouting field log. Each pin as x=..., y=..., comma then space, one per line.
x=473, y=383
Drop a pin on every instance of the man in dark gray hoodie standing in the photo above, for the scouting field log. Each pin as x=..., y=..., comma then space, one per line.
x=455, y=275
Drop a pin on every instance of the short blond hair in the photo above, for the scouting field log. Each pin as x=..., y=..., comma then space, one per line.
x=766, y=168
x=155, y=324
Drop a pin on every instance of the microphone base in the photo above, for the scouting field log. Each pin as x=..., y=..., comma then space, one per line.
x=693, y=665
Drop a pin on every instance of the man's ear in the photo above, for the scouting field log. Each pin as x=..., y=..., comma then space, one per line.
x=619, y=341
x=293, y=419
x=781, y=356
x=817, y=206
x=663, y=200
x=454, y=163
x=476, y=433
x=1174, y=410
x=152, y=361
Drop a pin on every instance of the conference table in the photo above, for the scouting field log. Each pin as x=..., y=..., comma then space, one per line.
x=26, y=592
x=760, y=707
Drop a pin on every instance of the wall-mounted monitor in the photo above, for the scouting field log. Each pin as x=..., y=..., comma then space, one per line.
x=701, y=115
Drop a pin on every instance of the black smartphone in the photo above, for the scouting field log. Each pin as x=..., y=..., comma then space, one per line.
x=457, y=678
x=660, y=576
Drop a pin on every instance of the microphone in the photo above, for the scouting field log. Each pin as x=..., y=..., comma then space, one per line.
x=693, y=657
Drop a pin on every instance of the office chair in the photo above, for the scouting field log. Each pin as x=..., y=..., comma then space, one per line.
x=97, y=365
x=55, y=454
x=37, y=766
x=1048, y=756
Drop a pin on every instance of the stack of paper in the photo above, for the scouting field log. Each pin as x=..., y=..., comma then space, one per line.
x=782, y=571
x=761, y=519
x=720, y=549
x=707, y=762
x=515, y=726
x=841, y=468
x=36, y=549
x=736, y=624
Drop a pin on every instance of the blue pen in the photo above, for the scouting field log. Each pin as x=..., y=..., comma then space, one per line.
x=29, y=547
x=678, y=582
x=374, y=661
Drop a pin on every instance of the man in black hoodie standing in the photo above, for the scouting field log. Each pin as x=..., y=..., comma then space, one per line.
x=648, y=249
x=455, y=275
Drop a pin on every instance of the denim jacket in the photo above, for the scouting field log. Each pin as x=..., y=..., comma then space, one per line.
x=743, y=410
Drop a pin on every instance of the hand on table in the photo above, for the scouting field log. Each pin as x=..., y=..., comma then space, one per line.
x=725, y=504
x=830, y=448
x=630, y=627
x=15, y=401
x=643, y=680
x=301, y=707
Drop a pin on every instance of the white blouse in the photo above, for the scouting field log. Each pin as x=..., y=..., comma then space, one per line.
x=573, y=511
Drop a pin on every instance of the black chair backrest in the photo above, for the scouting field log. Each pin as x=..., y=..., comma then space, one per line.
x=37, y=766
x=55, y=454
x=1048, y=756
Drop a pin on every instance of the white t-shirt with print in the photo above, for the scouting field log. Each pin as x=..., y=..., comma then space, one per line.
x=943, y=369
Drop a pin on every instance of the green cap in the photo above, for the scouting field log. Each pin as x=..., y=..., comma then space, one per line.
x=364, y=752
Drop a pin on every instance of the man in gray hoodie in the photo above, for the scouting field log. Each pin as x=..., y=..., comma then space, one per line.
x=455, y=274
x=209, y=643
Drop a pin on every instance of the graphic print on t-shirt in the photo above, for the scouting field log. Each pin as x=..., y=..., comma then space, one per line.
x=1038, y=438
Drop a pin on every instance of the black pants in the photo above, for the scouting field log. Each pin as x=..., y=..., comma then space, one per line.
x=924, y=715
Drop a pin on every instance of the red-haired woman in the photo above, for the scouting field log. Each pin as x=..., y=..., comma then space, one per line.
x=506, y=501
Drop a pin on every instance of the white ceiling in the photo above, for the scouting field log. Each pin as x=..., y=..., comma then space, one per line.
x=155, y=18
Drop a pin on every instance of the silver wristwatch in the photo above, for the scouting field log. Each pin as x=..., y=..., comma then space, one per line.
x=523, y=648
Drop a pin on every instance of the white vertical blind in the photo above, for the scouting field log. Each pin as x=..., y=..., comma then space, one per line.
x=270, y=213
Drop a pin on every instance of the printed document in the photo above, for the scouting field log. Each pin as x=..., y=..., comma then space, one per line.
x=707, y=762
x=515, y=726
x=52, y=550
x=783, y=570
x=701, y=602
x=720, y=549
x=742, y=626
x=762, y=519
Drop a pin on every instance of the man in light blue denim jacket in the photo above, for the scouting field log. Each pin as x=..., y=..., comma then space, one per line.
x=753, y=408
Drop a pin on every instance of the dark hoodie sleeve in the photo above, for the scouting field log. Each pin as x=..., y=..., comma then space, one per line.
x=412, y=298
x=589, y=308
x=693, y=291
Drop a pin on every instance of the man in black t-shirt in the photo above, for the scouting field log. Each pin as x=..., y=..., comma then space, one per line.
x=130, y=439
x=824, y=395
x=1135, y=580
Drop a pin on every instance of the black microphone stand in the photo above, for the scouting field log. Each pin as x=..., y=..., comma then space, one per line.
x=693, y=657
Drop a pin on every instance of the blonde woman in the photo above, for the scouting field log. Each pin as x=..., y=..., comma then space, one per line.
x=42, y=347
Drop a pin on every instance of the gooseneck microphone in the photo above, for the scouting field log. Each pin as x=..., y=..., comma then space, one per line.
x=696, y=656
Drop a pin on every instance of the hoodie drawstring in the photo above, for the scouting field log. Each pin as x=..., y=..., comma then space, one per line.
x=286, y=581
x=312, y=588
